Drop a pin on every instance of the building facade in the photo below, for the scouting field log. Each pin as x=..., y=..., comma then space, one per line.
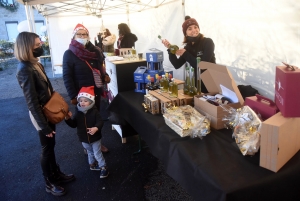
x=11, y=19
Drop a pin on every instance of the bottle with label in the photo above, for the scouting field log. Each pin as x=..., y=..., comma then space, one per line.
x=157, y=78
x=173, y=48
x=174, y=89
x=186, y=87
x=166, y=82
x=170, y=87
x=198, y=76
x=162, y=83
x=152, y=84
x=193, y=89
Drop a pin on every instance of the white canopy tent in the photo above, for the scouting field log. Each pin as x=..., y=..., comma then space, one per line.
x=250, y=37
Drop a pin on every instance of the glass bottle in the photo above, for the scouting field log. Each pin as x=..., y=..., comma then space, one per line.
x=186, y=87
x=162, y=83
x=166, y=83
x=174, y=89
x=170, y=87
x=193, y=89
x=173, y=48
x=198, y=77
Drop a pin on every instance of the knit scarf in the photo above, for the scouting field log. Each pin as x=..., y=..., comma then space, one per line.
x=85, y=109
x=88, y=52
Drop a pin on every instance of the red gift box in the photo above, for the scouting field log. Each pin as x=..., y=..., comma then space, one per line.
x=262, y=105
x=287, y=96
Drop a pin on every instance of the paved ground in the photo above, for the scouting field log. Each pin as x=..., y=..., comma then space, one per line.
x=132, y=177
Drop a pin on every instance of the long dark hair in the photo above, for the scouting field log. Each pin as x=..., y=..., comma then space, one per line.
x=123, y=29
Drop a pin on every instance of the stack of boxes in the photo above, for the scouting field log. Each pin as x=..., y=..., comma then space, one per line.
x=154, y=66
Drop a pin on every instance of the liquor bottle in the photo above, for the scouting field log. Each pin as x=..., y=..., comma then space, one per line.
x=162, y=83
x=186, y=87
x=166, y=82
x=170, y=77
x=152, y=85
x=173, y=48
x=193, y=89
x=170, y=87
x=174, y=89
x=198, y=76
x=157, y=84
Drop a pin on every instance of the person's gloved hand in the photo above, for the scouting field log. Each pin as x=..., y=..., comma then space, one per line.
x=74, y=101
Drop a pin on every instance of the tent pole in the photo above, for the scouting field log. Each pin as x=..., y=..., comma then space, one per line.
x=27, y=16
x=127, y=8
x=183, y=8
x=32, y=22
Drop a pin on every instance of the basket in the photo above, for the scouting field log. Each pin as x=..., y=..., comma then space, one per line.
x=180, y=131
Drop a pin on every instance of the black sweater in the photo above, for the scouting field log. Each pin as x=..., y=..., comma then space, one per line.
x=204, y=48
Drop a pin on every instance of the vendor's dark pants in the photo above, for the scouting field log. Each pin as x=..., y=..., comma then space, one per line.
x=48, y=161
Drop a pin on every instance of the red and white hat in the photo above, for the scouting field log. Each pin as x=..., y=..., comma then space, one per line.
x=87, y=92
x=78, y=27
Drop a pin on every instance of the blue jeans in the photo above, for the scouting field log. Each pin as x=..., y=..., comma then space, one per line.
x=94, y=153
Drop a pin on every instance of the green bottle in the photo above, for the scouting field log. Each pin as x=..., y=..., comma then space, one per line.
x=174, y=89
x=198, y=77
x=186, y=87
x=173, y=48
x=193, y=89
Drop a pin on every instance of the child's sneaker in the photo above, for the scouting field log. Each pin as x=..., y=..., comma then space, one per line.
x=95, y=167
x=104, y=172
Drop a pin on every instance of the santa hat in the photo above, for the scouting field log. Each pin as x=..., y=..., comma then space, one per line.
x=87, y=92
x=187, y=23
x=77, y=28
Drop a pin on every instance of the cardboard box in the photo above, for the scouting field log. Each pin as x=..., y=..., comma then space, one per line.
x=262, y=105
x=188, y=100
x=217, y=78
x=164, y=102
x=280, y=141
x=152, y=103
x=287, y=96
x=155, y=55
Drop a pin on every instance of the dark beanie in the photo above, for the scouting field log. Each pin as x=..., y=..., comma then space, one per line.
x=187, y=23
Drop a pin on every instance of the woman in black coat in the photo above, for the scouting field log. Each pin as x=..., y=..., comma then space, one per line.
x=126, y=38
x=196, y=46
x=37, y=90
x=78, y=62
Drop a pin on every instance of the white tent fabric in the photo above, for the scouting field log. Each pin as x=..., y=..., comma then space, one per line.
x=251, y=38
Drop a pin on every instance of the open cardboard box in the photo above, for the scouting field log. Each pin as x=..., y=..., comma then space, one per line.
x=217, y=78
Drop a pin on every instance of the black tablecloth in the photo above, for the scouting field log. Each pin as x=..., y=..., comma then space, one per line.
x=212, y=168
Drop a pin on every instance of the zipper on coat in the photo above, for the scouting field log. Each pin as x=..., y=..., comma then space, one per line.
x=86, y=129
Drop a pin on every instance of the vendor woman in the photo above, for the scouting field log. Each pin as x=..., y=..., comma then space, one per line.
x=196, y=46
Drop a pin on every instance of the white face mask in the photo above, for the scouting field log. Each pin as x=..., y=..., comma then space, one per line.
x=83, y=41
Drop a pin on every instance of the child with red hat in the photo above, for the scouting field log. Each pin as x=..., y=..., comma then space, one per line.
x=88, y=122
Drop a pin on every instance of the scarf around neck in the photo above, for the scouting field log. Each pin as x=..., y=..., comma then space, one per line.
x=91, y=52
x=84, y=109
x=120, y=40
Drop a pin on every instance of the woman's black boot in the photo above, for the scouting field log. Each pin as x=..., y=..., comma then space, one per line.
x=61, y=177
x=52, y=188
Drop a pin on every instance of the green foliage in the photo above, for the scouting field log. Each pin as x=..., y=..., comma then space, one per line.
x=6, y=49
x=6, y=53
x=11, y=7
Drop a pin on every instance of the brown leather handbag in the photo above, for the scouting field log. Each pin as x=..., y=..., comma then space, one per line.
x=56, y=108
